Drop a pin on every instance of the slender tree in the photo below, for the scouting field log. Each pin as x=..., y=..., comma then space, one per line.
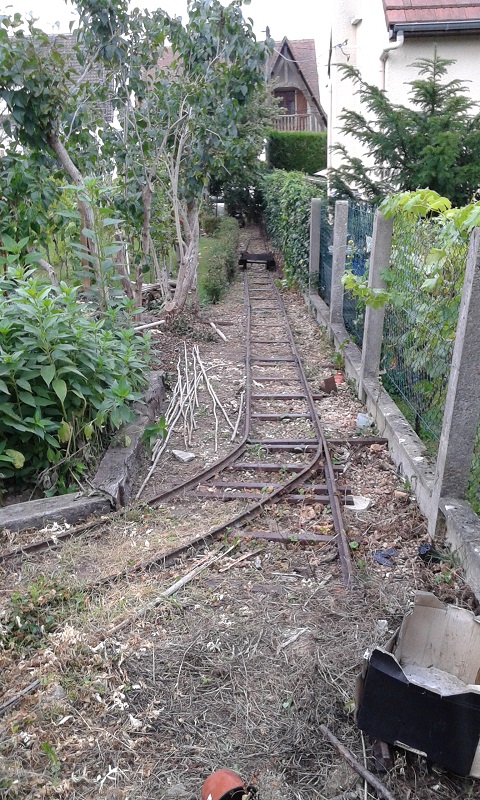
x=434, y=141
x=183, y=93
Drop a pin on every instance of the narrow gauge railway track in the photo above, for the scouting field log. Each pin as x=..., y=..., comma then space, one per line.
x=266, y=468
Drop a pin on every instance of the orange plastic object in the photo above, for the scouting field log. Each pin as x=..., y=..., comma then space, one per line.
x=223, y=784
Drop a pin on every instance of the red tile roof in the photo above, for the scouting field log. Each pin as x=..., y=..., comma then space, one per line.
x=398, y=11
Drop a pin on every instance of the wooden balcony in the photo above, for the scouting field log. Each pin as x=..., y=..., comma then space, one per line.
x=298, y=122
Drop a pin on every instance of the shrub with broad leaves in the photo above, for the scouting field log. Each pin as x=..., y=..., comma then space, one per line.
x=68, y=375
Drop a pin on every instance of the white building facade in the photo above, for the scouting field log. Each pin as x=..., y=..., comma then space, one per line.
x=382, y=38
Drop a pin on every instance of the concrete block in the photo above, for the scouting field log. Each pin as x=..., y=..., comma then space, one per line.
x=71, y=508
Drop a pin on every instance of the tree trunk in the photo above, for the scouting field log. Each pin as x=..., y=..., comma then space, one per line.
x=49, y=270
x=85, y=208
x=122, y=267
x=147, y=216
x=187, y=271
x=161, y=272
x=87, y=244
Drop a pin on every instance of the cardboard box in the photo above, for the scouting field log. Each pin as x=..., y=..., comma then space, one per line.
x=422, y=691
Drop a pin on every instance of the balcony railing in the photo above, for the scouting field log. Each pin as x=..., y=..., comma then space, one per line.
x=298, y=122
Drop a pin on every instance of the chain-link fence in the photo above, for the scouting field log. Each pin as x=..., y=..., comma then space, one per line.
x=326, y=250
x=359, y=244
x=419, y=329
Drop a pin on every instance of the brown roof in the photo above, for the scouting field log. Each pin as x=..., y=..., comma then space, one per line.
x=398, y=11
x=303, y=51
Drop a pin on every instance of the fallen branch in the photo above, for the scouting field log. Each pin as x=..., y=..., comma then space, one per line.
x=242, y=558
x=173, y=589
x=292, y=639
x=149, y=325
x=211, y=389
x=14, y=700
x=173, y=415
x=240, y=409
x=218, y=331
x=350, y=759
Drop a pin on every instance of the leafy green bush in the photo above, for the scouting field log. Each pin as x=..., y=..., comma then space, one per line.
x=67, y=375
x=222, y=260
x=286, y=202
x=300, y=151
x=210, y=224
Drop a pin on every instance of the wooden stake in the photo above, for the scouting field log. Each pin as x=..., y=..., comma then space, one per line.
x=350, y=759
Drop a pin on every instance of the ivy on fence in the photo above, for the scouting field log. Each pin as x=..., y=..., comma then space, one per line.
x=286, y=198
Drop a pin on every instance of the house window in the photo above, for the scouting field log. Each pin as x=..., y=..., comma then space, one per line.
x=287, y=99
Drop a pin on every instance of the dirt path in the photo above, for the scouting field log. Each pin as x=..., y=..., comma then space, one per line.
x=240, y=667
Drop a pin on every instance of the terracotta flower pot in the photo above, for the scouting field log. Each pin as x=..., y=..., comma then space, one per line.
x=224, y=784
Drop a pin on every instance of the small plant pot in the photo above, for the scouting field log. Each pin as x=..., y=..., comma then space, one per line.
x=338, y=377
x=224, y=784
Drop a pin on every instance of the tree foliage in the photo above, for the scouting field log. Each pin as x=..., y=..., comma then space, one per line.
x=434, y=141
x=182, y=93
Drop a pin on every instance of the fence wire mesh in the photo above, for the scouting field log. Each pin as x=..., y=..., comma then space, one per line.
x=359, y=244
x=326, y=251
x=419, y=329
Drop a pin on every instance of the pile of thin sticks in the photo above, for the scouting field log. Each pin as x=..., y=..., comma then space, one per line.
x=192, y=375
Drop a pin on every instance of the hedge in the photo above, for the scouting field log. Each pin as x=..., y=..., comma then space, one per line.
x=286, y=203
x=223, y=258
x=301, y=151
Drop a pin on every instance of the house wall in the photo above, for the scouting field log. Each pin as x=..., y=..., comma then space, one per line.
x=464, y=49
x=365, y=44
x=360, y=45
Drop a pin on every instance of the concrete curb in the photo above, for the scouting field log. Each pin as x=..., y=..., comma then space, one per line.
x=113, y=479
x=463, y=536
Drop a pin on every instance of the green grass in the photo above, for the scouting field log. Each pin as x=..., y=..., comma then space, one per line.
x=205, y=249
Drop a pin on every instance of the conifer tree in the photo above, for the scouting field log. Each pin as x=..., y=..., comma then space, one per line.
x=433, y=142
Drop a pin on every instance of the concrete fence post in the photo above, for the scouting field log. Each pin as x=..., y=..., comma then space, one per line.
x=462, y=405
x=314, y=252
x=373, y=326
x=340, y=232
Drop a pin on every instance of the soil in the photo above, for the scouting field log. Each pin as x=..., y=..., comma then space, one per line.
x=240, y=667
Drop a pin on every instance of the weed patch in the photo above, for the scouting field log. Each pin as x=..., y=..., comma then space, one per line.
x=36, y=612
